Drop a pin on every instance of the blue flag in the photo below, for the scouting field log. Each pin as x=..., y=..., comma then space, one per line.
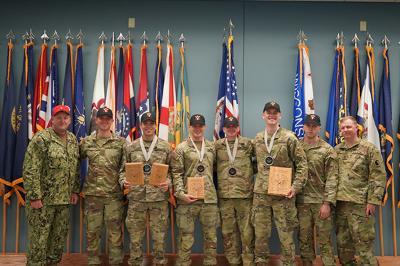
x=303, y=91
x=121, y=128
x=23, y=115
x=385, y=122
x=23, y=122
x=331, y=121
x=337, y=108
x=157, y=92
x=69, y=83
x=79, y=110
x=8, y=128
x=220, y=109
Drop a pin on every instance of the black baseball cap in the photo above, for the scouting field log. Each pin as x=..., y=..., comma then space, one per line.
x=197, y=119
x=231, y=121
x=148, y=116
x=104, y=111
x=312, y=119
x=273, y=105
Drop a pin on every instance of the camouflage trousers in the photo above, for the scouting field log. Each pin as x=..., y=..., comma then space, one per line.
x=208, y=215
x=355, y=233
x=108, y=210
x=308, y=214
x=236, y=229
x=136, y=224
x=47, y=232
x=282, y=211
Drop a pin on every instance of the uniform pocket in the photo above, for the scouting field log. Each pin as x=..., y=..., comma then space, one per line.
x=56, y=158
x=360, y=165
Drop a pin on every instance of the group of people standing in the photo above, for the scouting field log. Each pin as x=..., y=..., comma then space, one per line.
x=332, y=188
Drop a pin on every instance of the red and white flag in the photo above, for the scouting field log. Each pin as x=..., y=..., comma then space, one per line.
x=41, y=91
x=168, y=112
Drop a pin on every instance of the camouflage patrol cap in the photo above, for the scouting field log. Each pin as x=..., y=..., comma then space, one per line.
x=272, y=105
x=312, y=119
x=197, y=119
x=148, y=116
x=105, y=111
x=61, y=108
x=231, y=121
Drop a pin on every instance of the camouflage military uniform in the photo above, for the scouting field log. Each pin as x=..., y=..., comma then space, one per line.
x=147, y=200
x=287, y=152
x=103, y=194
x=361, y=181
x=235, y=195
x=184, y=165
x=320, y=187
x=51, y=173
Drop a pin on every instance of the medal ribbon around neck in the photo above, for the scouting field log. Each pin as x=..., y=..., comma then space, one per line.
x=202, y=150
x=151, y=148
x=232, y=154
x=271, y=144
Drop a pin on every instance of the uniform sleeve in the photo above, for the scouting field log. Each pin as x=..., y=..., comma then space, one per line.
x=331, y=171
x=377, y=177
x=177, y=171
x=124, y=159
x=299, y=157
x=33, y=163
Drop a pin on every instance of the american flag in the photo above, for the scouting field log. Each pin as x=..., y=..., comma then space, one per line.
x=227, y=103
x=231, y=102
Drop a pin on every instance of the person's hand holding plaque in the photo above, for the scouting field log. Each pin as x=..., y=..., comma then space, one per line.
x=188, y=198
x=164, y=186
x=291, y=193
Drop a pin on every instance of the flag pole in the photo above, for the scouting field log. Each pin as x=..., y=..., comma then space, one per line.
x=385, y=43
x=369, y=42
x=4, y=226
x=10, y=37
x=68, y=37
x=381, y=231
x=231, y=27
x=394, y=233
x=144, y=39
x=159, y=39
x=80, y=36
x=17, y=228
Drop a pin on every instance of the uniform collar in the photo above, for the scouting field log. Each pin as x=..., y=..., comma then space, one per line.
x=353, y=145
x=315, y=145
x=113, y=136
x=57, y=138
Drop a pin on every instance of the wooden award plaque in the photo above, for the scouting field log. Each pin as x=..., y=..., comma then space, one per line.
x=158, y=174
x=195, y=187
x=280, y=181
x=134, y=173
